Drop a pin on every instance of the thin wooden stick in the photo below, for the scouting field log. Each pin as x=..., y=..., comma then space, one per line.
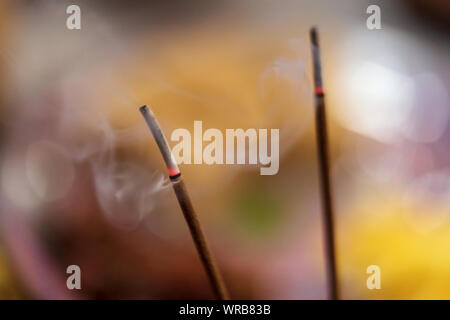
x=324, y=169
x=185, y=203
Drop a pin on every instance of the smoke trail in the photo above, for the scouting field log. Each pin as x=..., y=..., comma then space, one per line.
x=286, y=93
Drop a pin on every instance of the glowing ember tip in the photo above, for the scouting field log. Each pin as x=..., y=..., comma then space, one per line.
x=173, y=173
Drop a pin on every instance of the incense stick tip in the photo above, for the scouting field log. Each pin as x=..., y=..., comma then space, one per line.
x=313, y=35
x=143, y=109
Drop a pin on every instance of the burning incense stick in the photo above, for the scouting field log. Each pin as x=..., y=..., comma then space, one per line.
x=324, y=168
x=186, y=206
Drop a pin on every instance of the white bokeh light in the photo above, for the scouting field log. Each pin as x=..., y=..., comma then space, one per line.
x=377, y=101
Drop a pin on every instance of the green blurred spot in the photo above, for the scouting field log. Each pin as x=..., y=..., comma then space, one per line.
x=258, y=211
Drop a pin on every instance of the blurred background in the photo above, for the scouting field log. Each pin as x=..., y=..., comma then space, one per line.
x=82, y=181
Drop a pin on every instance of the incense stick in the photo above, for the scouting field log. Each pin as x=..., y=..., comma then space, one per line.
x=185, y=203
x=324, y=168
